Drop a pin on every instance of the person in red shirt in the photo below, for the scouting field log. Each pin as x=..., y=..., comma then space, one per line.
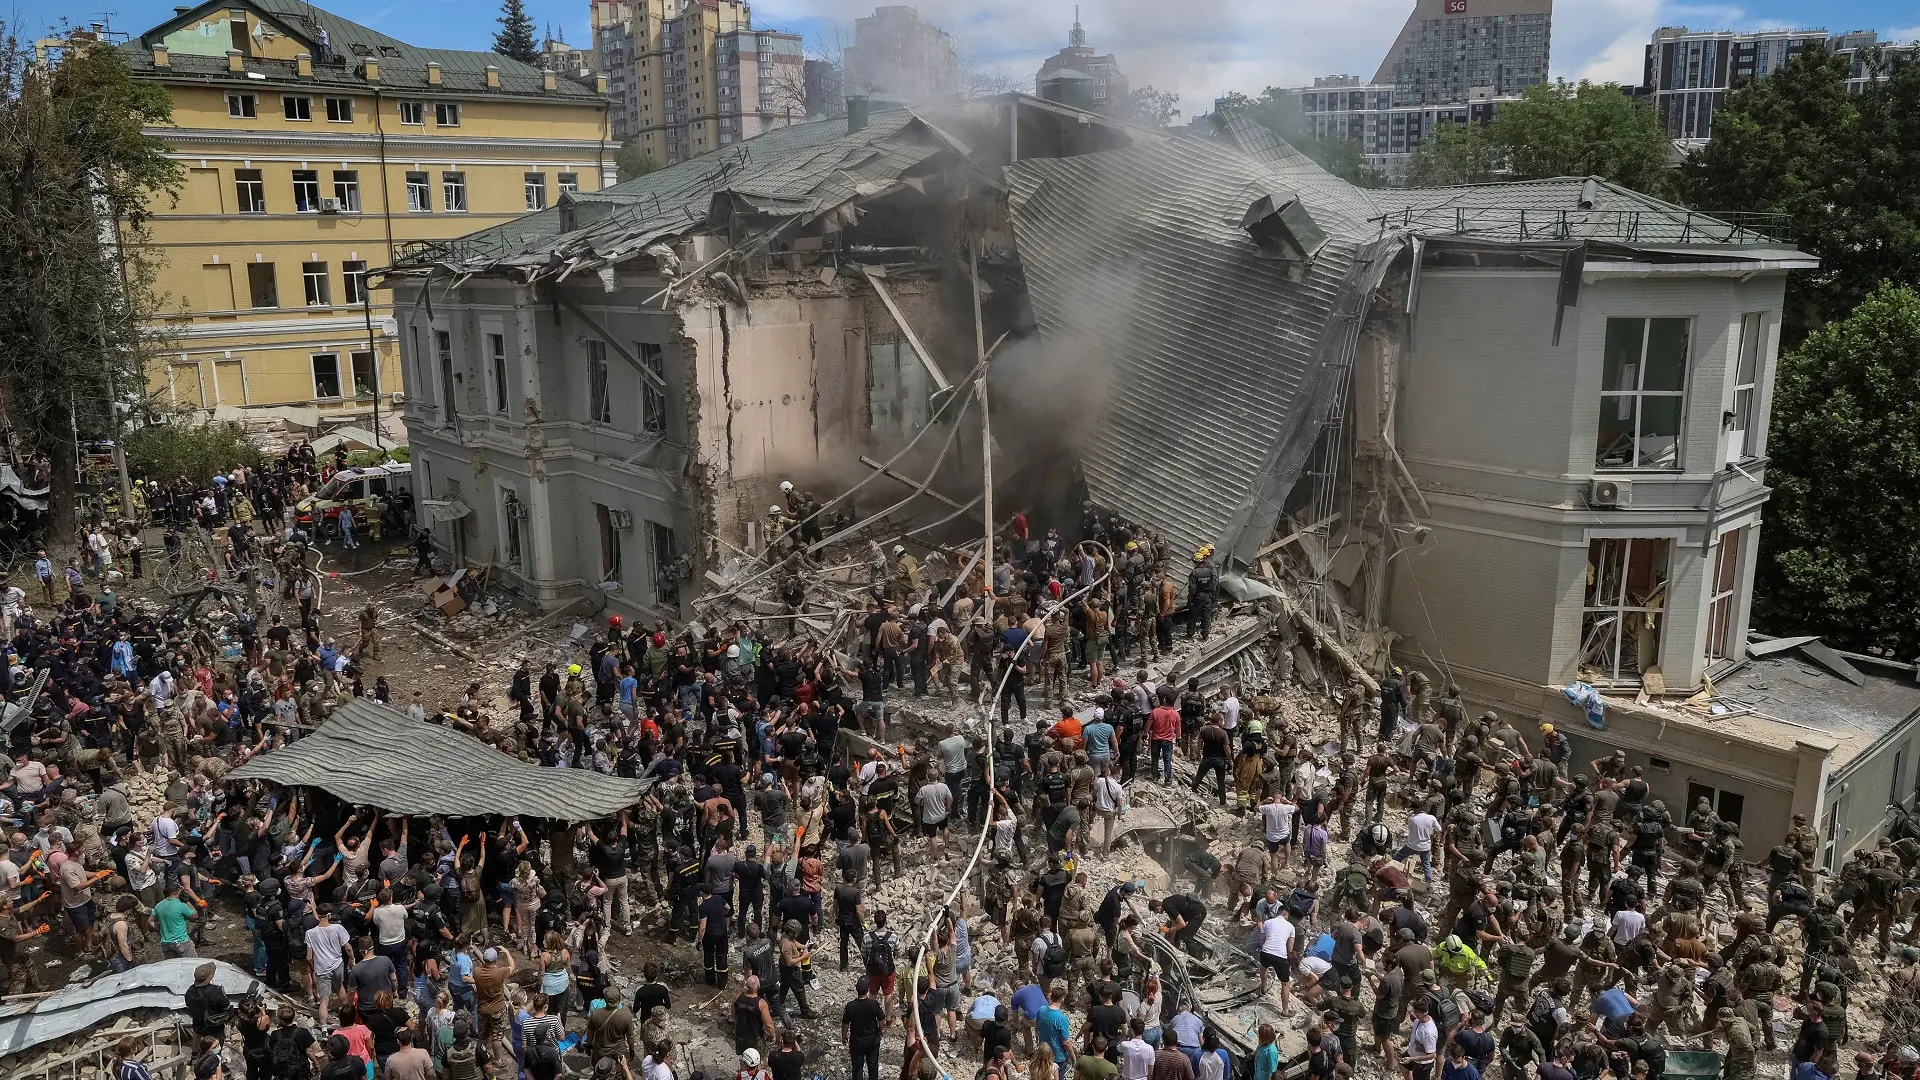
x=1067, y=729
x=1163, y=728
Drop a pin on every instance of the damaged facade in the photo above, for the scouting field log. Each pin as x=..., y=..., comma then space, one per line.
x=1521, y=425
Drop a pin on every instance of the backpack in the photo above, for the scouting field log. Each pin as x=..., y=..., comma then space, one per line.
x=1055, y=959
x=463, y=1062
x=1444, y=1009
x=878, y=954
x=285, y=1058
x=1300, y=903
x=1481, y=1001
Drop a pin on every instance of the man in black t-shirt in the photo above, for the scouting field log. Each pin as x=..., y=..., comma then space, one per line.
x=1107, y=1018
x=860, y=1025
x=1185, y=915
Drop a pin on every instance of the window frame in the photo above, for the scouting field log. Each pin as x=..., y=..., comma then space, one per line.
x=568, y=181
x=452, y=180
x=512, y=542
x=339, y=110
x=653, y=397
x=423, y=204
x=446, y=114
x=354, y=281
x=599, y=396
x=272, y=282
x=1746, y=387
x=666, y=590
x=535, y=193
x=612, y=551
x=313, y=360
x=1639, y=395
x=317, y=284
x=308, y=179
x=1609, y=615
x=242, y=106
x=1723, y=591
x=297, y=103
x=373, y=385
x=249, y=191
x=497, y=370
x=347, y=192
x=419, y=109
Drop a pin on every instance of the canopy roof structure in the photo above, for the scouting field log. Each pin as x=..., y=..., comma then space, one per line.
x=371, y=755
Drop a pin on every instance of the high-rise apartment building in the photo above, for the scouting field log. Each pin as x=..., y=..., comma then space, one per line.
x=1078, y=77
x=312, y=151
x=689, y=76
x=1451, y=49
x=825, y=95
x=1689, y=72
x=894, y=54
x=1342, y=107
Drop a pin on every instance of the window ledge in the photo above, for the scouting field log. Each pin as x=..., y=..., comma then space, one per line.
x=1629, y=470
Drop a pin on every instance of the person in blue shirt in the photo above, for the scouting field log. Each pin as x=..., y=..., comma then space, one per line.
x=43, y=569
x=1266, y=1060
x=629, y=686
x=1187, y=1031
x=1099, y=737
x=1053, y=1029
x=1028, y=1003
x=1457, y=1066
x=122, y=656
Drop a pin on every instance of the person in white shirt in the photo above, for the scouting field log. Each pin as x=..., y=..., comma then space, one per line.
x=1276, y=952
x=1423, y=1043
x=1110, y=802
x=1628, y=924
x=1136, y=1057
x=1278, y=812
x=161, y=686
x=165, y=832
x=1229, y=709
x=1421, y=827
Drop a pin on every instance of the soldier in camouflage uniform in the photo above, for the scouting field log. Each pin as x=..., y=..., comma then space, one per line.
x=1823, y=928
x=1720, y=864
x=1805, y=839
x=1598, y=966
x=1453, y=713
x=1603, y=856
x=1758, y=982
x=643, y=851
x=1741, y=1062
x=1466, y=852
x=17, y=974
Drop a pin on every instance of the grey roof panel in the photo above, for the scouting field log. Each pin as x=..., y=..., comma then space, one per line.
x=1217, y=357
x=371, y=755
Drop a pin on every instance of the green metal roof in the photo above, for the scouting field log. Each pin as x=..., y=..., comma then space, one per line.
x=402, y=66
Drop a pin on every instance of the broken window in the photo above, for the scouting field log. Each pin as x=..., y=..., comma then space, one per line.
x=599, y=403
x=1626, y=597
x=1722, y=612
x=609, y=525
x=1643, y=394
x=653, y=395
x=510, y=511
x=1746, y=376
x=497, y=362
x=261, y=288
x=664, y=551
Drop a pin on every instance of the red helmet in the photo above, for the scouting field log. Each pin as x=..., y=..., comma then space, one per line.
x=614, y=622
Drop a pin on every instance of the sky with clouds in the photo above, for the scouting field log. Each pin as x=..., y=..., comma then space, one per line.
x=1198, y=48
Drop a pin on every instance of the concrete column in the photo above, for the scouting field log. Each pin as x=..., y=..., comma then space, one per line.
x=539, y=532
x=1810, y=776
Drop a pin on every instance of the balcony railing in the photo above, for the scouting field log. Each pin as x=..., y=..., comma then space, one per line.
x=1626, y=226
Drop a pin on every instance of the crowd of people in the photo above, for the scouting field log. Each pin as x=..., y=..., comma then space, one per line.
x=1447, y=940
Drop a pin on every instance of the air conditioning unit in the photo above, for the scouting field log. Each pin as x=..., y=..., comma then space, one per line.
x=1617, y=494
x=329, y=206
x=622, y=519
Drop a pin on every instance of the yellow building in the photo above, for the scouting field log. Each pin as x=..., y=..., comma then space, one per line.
x=691, y=76
x=313, y=150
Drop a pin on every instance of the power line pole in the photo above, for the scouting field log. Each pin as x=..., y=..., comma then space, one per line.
x=986, y=427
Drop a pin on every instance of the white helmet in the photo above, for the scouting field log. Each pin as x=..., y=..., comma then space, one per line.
x=775, y=510
x=786, y=485
x=750, y=1058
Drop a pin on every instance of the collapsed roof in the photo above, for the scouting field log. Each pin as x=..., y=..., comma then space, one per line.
x=1220, y=284
x=370, y=755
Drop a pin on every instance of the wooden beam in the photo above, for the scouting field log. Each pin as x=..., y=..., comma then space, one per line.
x=1294, y=535
x=612, y=342
x=913, y=339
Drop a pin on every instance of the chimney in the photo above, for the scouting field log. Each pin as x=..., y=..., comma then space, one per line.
x=303, y=65
x=181, y=9
x=162, y=57
x=235, y=61
x=433, y=73
x=370, y=69
x=857, y=109
x=599, y=84
x=548, y=81
x=493, y=77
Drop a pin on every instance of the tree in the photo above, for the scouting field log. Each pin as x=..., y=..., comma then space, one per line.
x=75, y=299
x=1455, y=154
x=1584, y=129
x=1843, y=169
x=630, y=161
x=1279, y=112
x=515, y=39
x=1838, y=557
x=1148, y=107
x=165, y=450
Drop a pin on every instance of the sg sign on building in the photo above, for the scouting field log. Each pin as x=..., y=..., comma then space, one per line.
x=1456, y=7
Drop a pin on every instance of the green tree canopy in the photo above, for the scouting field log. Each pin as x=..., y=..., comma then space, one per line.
x=74, y=159
x=1148, y=107
x=1839, y=558
x=1456, y=154
x=1584, y=129
x=1278, y=112
x=160, y=452
x=630, y=160
x=514, y=39
x=1845, y=168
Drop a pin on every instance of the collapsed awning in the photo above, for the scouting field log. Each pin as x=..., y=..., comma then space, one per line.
x=371, y=755
x=159, y=985
x=442, y=510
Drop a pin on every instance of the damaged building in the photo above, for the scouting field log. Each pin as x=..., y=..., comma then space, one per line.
x=1513, y=435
